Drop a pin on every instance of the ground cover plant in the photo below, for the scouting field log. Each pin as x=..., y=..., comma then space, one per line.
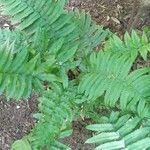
x=47, y=44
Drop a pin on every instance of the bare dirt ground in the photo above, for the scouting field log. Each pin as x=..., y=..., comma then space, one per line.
x=16, y=118
x=112, y=14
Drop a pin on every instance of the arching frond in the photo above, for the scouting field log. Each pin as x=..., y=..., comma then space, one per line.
x=130, y=45
x=109, y=75
x=122, y=132
x=75, y=27
x=19, y=73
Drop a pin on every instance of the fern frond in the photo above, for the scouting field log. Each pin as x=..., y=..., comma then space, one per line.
x=54, y=117
x=109, y=75
x=19, y=73
x=59, y=146
x=75, y=27
x=89, y=35
x=120, y=132
x=30, y=14
x=15, y=36
x=131, y=45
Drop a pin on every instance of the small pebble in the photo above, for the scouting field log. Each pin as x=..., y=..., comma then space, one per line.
x=18, y=106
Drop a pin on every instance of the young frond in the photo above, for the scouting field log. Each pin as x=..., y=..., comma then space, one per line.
x=54, y=118
x=120, y=132
x=109, y=75
x=130, y=45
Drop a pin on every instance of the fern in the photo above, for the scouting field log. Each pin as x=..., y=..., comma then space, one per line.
x=57, y=22
x=109, y=75
x=55, y=115
x=121, y=132
x=32, y=13
x=54, y=33
x=48, y=42
x=16, y=37
x=130, y=45
x=19, y=73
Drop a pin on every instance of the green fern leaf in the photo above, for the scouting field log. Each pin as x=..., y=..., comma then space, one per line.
x=109, y=74
x=130, y=134
x=50, y=16
x=55, y=118
x=18, y=72
x=131, y=45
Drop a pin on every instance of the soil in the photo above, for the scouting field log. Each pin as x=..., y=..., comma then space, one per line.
x=113, y=14
x=16, y=117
